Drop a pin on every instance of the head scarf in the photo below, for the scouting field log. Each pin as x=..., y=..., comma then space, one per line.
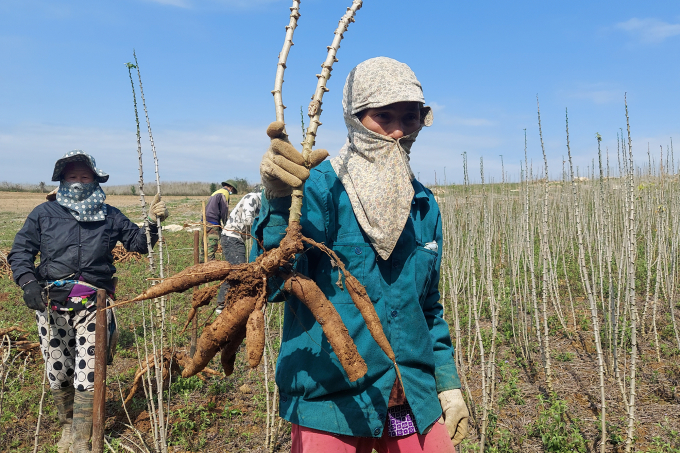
x=374, y=169
x=84, y=201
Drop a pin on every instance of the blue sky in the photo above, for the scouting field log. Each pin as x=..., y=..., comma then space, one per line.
x=208, y=68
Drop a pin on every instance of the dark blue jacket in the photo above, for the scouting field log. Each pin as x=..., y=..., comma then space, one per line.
x=70, y=249
x=315, y=391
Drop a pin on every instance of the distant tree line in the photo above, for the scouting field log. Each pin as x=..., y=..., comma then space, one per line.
x=182, y=188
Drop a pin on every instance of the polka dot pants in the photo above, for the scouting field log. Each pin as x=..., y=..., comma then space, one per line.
x=67, y=343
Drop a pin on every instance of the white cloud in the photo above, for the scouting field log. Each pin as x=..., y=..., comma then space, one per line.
x=196, y=155
x=650, y=31
x=473, y=122
x=598, y=96
x=436, y=107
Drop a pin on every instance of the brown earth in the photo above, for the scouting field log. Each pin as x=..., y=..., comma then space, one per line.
x=24, y=202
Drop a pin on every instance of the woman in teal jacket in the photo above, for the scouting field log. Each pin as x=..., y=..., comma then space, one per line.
x=368, y=208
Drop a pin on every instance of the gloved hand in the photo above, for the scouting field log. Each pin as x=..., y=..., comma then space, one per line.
x=33, y=296
x=157, y=209
x=283, y=167
x=454, y=414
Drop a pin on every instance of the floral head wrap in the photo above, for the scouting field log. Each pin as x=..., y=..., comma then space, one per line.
x=374, y=169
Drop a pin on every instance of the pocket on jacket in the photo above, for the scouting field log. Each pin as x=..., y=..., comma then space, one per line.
x=425, y=262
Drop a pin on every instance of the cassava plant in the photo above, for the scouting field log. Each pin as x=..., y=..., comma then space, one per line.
x=247, y=297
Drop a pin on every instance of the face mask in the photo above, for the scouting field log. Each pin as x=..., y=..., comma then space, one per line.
x=80, y=191
x=84, y=201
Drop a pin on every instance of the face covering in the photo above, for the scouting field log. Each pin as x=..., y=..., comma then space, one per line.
x=84, y=201
x=374, y=169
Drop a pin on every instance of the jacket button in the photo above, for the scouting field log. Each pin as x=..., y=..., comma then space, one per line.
x=284, y=398
x=381, y=416
x=394, y=313
x=376, y=431
x=357, y=250
x=396, y=263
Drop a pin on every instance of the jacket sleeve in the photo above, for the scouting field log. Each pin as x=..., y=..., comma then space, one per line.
x=24, y=250
x=132, y=236
x=445, y=373
x=224, y=209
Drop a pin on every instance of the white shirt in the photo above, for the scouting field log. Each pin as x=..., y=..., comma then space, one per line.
x=242, y=216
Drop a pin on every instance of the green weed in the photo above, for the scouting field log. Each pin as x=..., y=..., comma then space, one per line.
x=564, y=356
x=671, y=443
x=510, y=390
x=556, y=433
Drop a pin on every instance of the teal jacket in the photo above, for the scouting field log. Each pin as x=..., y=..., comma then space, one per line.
x=314, y=390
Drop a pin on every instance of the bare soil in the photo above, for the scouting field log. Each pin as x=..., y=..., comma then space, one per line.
x=23, y=202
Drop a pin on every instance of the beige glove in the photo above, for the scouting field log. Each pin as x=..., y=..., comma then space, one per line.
x=157, y=209
x=454, y=414
x=283, y=167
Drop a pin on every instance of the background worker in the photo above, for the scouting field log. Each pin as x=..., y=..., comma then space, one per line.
x=216, y=215
x=234, y=234
x=74, y=234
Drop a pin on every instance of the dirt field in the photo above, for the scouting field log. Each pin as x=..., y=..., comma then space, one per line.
x=24, y=202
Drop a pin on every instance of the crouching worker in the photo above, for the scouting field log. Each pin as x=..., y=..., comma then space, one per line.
x=75, y=234
x=366, y=205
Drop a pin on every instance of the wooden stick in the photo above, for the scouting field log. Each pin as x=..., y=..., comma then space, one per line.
x=205, y=234
x=194, y=327
x=99, y=404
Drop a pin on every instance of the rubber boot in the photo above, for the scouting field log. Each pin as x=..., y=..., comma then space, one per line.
x=63, y=399
x=82, y=421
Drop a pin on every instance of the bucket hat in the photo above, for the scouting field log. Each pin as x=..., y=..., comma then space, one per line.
x=78, y=156
x=231, y=183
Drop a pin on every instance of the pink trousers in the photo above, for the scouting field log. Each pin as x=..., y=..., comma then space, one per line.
x=307, y=440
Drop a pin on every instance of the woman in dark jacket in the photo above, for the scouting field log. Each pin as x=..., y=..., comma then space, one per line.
x=75, y=233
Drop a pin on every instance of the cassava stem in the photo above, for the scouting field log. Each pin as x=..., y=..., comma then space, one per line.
x=315, y=106
x=161, y=269
x=141, y=171
x=283, y=57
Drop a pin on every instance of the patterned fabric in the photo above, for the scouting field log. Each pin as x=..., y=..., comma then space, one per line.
x=67, y=344
x=373, y=168
x=400, y=421
x=82, y=295
x=78, y=156
x=84, y=201
x=242, y=216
